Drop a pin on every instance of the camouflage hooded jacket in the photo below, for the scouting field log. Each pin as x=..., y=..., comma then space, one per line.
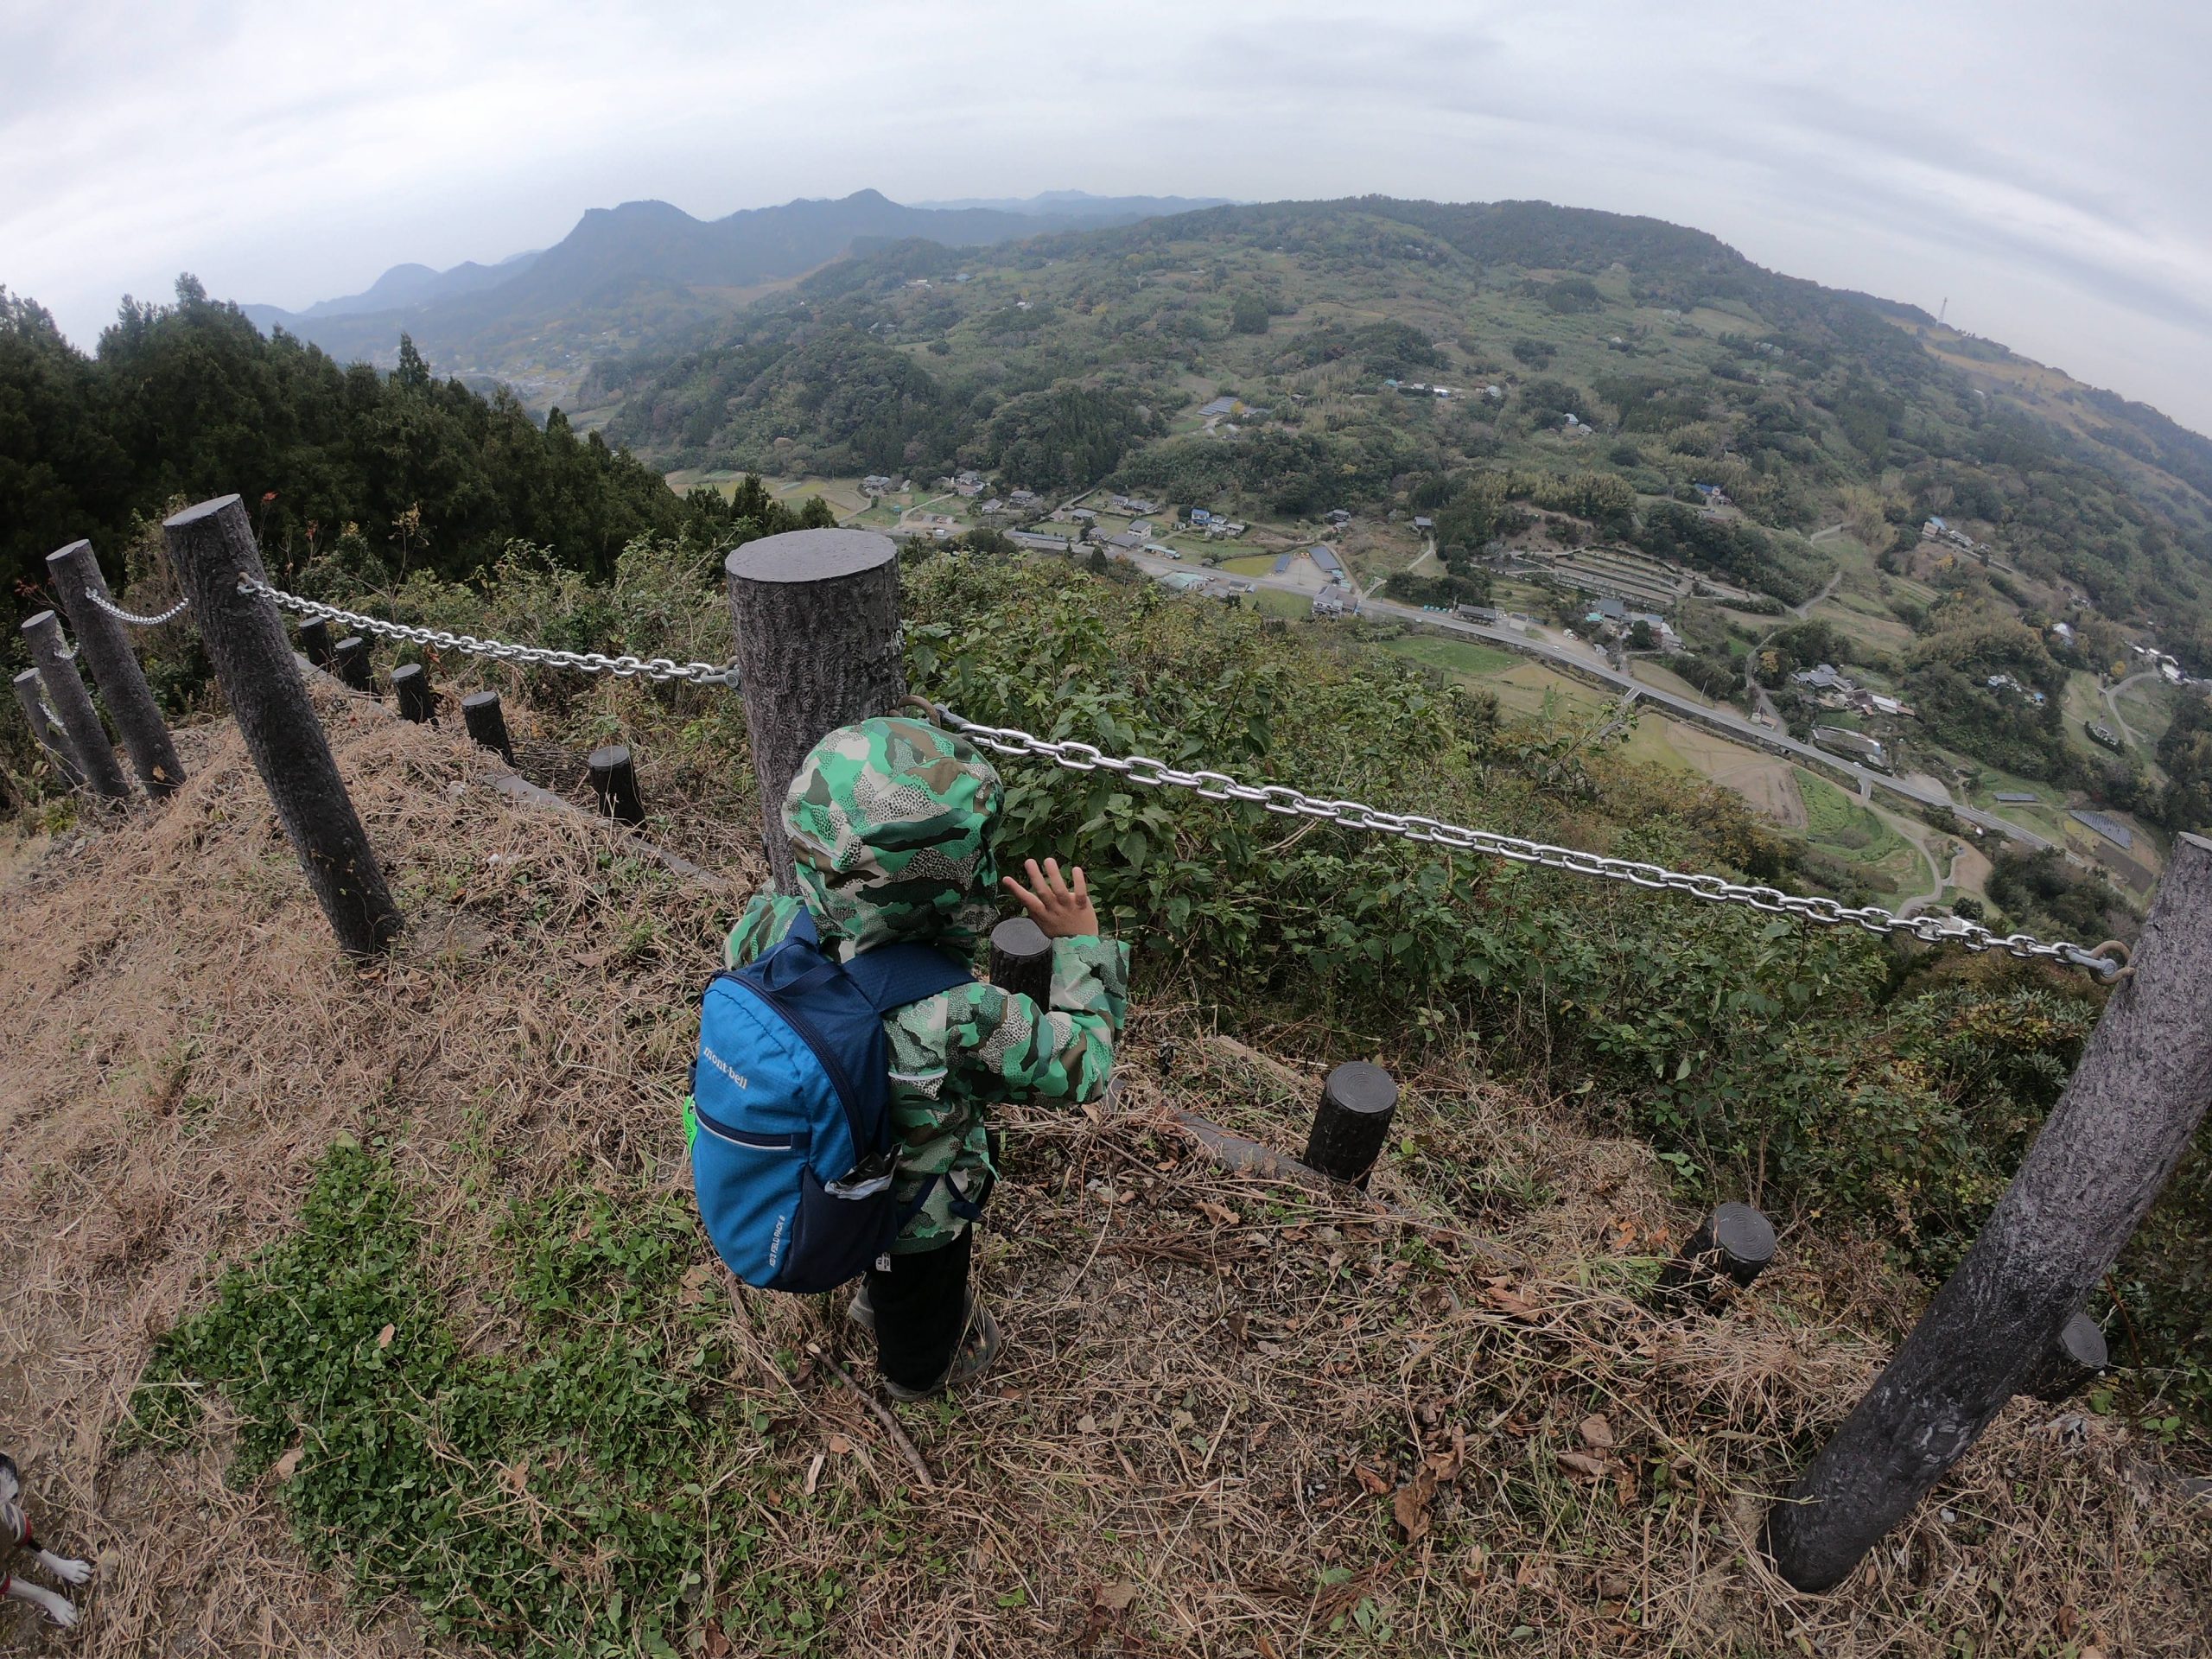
x=890, y=823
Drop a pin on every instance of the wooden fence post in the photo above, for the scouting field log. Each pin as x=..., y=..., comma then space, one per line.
x=2110, y=1144
x=411, y=686
x=1021, y=959
x=1733, y=1246
x=816, y=616
x=50, y=736
x=73, y=707
x=1352, y=1122
x=349, y=658
x=314, y=640
x=212, y=547
x=487, y=723
x=614, y=781
x=115, y=668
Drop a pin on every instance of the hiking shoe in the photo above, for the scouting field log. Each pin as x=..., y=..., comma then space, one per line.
x=979, y=1346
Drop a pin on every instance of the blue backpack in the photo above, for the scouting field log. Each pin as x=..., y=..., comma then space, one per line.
x=789, y=1113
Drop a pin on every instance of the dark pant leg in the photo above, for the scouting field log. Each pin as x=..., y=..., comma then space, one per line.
x=918, y=1311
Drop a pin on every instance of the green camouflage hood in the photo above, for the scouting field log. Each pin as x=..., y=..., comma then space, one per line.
x=889, y=821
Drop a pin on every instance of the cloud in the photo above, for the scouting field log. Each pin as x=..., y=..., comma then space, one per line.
x=2034, y=162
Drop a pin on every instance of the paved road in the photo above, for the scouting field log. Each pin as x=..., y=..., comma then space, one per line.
x=1585, y=660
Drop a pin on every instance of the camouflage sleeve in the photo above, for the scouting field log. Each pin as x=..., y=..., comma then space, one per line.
x=764, y=924
x=998, y=1046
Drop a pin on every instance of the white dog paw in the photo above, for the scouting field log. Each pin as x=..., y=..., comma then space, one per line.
x=70, y=1571
x=62, y=1613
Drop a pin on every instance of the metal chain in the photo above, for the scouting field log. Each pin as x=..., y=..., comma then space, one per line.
x=1143, y=770
x=1147, y=772
x=586, y=662
x=132, y=617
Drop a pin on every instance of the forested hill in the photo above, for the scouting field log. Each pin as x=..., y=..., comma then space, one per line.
x=1068, y=358
x=186, y=401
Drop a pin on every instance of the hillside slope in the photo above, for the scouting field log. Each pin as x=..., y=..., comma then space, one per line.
x=1648, y=355
x=421, y=1233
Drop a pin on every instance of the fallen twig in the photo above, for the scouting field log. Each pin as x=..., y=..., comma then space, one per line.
x=882, y=1414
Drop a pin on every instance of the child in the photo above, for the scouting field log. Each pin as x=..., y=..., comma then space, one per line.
x=891, y=823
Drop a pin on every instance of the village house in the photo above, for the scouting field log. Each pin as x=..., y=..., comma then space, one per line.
x=1335, y=601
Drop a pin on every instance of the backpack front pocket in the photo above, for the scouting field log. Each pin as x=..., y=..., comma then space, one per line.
x=839, y=1232
x=748, y=1188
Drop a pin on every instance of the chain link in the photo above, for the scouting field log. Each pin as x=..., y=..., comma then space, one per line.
x=132, y=617
x=586, y=662
x=1147, y=772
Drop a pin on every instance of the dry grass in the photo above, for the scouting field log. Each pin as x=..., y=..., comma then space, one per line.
x=1232, y=1419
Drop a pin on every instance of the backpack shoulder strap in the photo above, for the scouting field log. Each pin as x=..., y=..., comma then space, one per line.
x=892, y=976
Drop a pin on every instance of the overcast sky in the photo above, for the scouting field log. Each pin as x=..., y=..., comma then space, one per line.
x=2041, y=166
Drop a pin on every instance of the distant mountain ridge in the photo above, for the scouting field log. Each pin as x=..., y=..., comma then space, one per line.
x=648, y=273
x=401, y=287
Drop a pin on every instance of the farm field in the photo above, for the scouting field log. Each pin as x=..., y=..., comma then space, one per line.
x=1769, y=783
x=1839, y=823
x=2150, y=710
x=1466, y=658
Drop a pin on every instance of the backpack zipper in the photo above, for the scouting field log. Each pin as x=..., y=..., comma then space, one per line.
x=745, y=1138
x=831, y=1064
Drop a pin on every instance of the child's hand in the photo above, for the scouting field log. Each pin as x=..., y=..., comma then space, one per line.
x=1062, y=912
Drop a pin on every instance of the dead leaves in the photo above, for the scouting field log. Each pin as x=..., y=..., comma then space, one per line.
x=1500, y=1295
x=1409, y=1505
x=1220, y=1214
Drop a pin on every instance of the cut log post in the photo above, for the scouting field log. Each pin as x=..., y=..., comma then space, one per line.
x=614, y=781
x=816, y=616
x=2070, y=1363
x=487, y=722
x=49, y=735
x=1021, y=959
x=350, y=656
x=314, y=640
x=417, y=702
x=212, y=547
x=1352, y=1122
x=1730, y=1249
x=73, y=707
x=115, y=668
x=1021, y=962
x=2110, y=1144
